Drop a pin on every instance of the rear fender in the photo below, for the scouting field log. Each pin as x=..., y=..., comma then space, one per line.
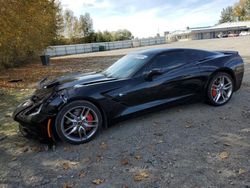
x=226, y=70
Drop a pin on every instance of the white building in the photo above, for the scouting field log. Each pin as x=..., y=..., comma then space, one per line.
x=199, y=33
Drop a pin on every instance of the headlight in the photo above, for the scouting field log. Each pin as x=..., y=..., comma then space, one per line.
x=37, y=110
x=26, y=103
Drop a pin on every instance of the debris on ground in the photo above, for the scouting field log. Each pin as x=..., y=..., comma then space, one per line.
x=98, y=181
x=224, y=155
x=141, y=175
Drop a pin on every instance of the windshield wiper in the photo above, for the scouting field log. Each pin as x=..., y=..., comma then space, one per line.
x=105, y=74
x=110, y=76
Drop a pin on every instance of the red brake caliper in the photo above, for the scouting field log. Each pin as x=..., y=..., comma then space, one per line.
x=89, y=119
x=214, y=92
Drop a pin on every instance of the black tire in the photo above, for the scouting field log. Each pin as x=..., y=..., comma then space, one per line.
x=75, y=105
x=210, y=95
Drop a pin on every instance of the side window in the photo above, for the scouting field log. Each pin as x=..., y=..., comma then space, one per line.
x=196, y=55
x=168, y=60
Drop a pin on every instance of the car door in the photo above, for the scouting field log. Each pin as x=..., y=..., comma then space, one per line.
x=135, y=90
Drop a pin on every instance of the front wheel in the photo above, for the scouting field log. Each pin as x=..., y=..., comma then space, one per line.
x=220, y=89
x=78, y=122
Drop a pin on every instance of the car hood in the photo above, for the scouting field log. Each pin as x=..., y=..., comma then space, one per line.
x=77, y=79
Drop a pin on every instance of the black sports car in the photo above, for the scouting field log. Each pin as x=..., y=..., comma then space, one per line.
x=75, y=107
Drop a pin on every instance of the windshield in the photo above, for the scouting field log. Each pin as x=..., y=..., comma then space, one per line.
x=126, y=66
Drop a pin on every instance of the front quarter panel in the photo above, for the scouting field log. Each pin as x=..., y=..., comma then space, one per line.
x=96, y=93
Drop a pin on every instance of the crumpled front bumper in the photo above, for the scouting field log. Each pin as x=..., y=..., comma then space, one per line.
x=36, y=115
x=30, y=117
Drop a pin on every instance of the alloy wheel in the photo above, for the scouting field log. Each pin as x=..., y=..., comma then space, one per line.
x=79, y=123
x=221, y=89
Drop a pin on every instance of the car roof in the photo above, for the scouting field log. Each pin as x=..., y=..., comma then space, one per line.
x=155, y=51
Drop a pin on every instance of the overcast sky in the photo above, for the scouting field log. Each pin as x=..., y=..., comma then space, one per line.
x=146, y=17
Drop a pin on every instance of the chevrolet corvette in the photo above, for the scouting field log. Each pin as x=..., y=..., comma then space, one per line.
x=75, y=107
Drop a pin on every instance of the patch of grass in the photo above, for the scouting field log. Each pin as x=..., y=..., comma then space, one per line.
x=10, y=98
x=10, y=128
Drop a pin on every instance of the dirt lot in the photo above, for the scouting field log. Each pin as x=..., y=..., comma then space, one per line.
x=191, y=145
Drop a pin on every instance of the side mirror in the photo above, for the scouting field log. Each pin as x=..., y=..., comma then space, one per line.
x=154, y=72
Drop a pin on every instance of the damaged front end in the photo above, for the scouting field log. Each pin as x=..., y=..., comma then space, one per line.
x=36, y=115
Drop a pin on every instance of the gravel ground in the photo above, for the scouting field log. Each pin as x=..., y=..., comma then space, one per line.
x=189, y=145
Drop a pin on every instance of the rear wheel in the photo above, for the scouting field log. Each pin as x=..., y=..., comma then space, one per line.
x=78, y=122
x=220, y=89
